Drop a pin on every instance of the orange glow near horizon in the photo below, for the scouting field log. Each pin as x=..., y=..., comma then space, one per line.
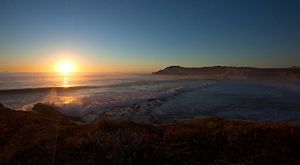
x=102, y=68
x=69, y=61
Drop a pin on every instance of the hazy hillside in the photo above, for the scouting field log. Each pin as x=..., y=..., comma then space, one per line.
x=228, y=72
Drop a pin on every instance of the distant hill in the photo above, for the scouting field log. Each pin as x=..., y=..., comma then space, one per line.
x=230, y=72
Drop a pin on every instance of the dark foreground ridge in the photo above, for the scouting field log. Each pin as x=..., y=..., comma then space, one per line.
x=230, y=72
x=44, y=136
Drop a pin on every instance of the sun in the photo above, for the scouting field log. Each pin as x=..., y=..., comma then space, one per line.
x=66, y=66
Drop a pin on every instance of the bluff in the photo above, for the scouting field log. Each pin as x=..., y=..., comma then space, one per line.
x=231, y=72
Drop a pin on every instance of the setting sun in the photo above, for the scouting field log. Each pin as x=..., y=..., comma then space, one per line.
x=66, y=67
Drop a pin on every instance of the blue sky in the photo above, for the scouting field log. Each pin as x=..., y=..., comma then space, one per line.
x=149, y=34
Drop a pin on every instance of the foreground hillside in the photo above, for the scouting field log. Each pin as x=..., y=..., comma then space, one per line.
x=44, y=136
x=239, y=73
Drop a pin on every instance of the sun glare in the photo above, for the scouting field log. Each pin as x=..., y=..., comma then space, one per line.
x=66, y=67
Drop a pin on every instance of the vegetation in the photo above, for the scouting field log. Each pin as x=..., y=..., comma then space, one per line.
x=38, y=138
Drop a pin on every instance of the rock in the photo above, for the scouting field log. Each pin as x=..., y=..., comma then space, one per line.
x=151, y=99
x=135, y=107
x=46, y=109
x=1, y=105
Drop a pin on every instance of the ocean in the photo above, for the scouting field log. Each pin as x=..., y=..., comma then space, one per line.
x=158, y=97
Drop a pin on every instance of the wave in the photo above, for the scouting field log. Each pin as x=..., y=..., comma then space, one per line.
x=161, y=95
x=70, y=88
x=93, y=104
x=42, y=89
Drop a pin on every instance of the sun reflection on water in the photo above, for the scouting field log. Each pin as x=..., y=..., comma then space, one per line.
x=66, y=83
x=67, y=100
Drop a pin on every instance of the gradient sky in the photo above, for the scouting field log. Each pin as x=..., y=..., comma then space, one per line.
x=147, y=35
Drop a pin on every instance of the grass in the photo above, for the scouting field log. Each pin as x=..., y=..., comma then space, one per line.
x=35, y=138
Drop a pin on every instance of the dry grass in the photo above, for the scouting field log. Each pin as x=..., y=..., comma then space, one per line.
x=35, y=138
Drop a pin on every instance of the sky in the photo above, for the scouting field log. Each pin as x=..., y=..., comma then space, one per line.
x=147, y=35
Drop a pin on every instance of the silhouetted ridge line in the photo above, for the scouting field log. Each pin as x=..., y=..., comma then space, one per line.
x=231, y=72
